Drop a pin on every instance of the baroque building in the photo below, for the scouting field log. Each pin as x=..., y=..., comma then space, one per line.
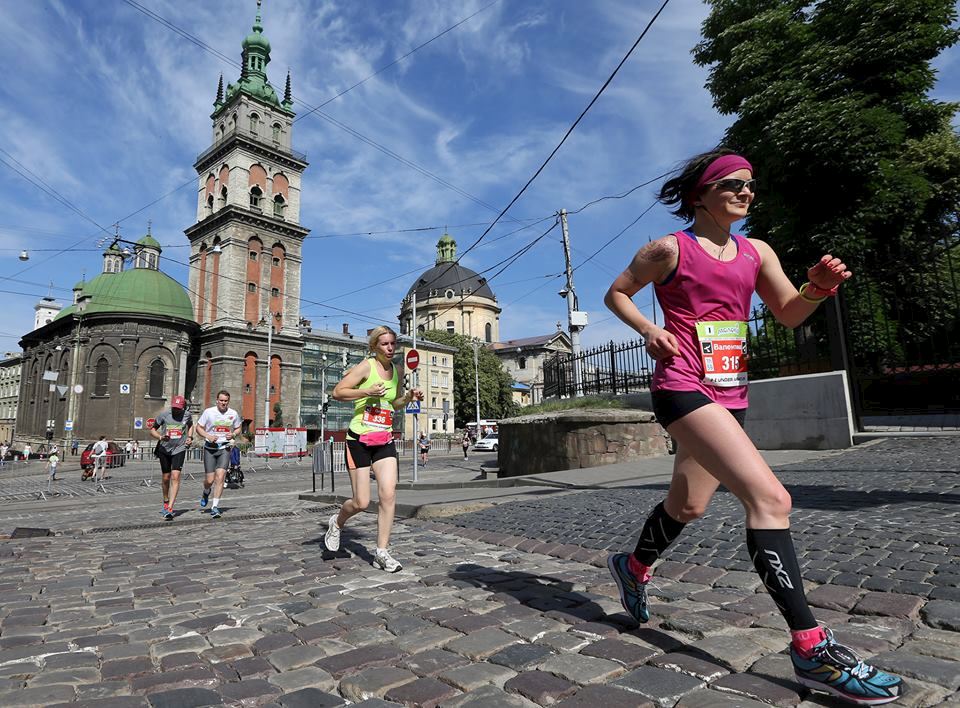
x=452, y=298
x=114, y=357
x=246, y=246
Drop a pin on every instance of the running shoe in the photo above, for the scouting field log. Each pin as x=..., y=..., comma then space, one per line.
x=203, y=500
x=837, y=670
x=633, y=594
x=168, y=514
x=384, y=561
x=331, y=539
x=215, y=512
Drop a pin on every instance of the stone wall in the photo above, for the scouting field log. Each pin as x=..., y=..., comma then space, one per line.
x=572, y=439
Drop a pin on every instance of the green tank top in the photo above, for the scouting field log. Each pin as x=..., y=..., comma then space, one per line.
x=357, y=424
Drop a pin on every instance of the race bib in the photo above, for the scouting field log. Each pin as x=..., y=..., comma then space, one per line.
x=174, y=433
x=221, y=429
x=723, y=351
x=378, y=418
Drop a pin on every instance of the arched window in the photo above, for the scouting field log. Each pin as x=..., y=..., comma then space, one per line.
x=450, y=326
x=255, y=195
x=488, y=332
x=277, y=130
x=209, y=203
x=278, y=206
x=522, y=362
x=157, y=373
x=101, y=377
x=254, y=123
x=223, y=197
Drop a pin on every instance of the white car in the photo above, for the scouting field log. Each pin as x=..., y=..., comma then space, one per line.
x=488, y=443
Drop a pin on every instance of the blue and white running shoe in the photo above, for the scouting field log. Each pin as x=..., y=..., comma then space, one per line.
x=203, y=500
x=633, y=594
x=837, y=670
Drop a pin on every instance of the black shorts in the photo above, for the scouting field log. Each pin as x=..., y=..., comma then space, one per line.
x=671, y=406
x=170, y=462
x=360, y=455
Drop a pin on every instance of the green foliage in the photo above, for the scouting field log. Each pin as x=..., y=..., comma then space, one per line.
x=564, y=404
x=496, y=398
x=277, y=414
x=853, y=157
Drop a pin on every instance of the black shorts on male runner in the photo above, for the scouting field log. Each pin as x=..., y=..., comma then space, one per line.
x=169, y=462
x=360, y=455
x=671, y=406
x=215, y=458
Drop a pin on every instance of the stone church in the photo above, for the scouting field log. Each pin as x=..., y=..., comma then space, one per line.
x=133, y=338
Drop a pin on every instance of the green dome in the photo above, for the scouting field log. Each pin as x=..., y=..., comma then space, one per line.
x=113, y=250
x=141, y=290
x=81, y=285
x=149, y=241
x=256, y=39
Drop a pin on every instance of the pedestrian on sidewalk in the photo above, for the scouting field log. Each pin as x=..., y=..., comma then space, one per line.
x=423, y=443
x=173, y=431
x=375, y=389
x=465, y=444
x=4, y=448
x=27, y=452
x=74, y=446
x=704, y=277
x=99, y=455
x=52, y=461
x=219, y=426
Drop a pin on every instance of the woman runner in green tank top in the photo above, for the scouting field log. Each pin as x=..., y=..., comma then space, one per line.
x=373, y=386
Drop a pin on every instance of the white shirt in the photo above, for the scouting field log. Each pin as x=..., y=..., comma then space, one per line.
x=216, y=423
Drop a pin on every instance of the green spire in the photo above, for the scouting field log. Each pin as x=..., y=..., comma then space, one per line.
x=253, y=74
x=446, y=249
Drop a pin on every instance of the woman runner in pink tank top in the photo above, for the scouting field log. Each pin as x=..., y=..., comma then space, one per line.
x=704, y=277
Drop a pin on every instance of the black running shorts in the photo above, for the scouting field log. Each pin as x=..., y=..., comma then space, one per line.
x=359, y=455
x=170, y=462
x=671, y=406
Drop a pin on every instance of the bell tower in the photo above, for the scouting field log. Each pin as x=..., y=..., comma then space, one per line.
x=246, y=245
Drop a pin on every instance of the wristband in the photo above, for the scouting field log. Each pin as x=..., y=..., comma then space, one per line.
x=816, y=300
x=816, y=291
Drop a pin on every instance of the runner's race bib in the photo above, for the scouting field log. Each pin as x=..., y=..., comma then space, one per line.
x=378, y=418
x=174, y=433
x=723, y=351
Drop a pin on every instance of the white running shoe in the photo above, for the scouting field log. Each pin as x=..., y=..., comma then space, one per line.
x=384, y=561
x=331, y=539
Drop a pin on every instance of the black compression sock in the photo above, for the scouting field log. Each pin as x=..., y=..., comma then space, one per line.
x=775, y=559
x=658, y=533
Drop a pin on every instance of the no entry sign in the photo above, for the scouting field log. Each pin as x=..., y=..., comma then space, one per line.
x=413, y=359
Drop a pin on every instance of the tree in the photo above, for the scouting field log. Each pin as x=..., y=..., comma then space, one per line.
x=853, y=157
x=277, y=414
x=496, y=397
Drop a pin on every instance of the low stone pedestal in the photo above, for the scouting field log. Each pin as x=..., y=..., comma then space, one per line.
x=572, y=439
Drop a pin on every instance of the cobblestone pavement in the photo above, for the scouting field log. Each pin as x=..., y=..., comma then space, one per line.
x=506, y=607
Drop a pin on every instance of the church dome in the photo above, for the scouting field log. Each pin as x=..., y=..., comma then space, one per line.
x=140, y=290
x=448, y=278
x=149, y=241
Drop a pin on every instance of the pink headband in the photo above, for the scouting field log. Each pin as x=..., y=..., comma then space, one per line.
x=717, y=169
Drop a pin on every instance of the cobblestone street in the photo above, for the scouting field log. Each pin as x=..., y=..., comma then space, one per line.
x=508, y=606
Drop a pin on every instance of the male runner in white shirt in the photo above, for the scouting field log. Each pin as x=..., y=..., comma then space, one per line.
x=218, y=426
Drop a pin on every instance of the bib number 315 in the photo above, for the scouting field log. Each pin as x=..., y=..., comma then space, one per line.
x=723, y=352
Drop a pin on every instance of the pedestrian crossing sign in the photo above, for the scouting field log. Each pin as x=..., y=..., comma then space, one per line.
x=413, y=407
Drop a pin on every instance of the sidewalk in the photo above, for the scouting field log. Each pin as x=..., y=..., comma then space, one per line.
x=453, y=492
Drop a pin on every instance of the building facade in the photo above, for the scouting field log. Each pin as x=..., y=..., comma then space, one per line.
x=523, y=359
x=9, y=395
x=246, y=247
x=452, y=298
x=44, y=311
x=114, y=357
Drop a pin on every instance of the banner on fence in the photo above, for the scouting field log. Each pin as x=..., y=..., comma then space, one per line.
x=280, y=442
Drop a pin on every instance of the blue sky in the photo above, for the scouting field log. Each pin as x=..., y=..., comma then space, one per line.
x=110, y=108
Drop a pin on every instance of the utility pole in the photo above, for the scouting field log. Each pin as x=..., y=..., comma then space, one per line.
x=266, y=398
x=414, y=380
x=476, y=380
x=576, y=319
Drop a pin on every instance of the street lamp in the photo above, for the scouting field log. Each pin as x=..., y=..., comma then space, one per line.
x=267, y=319
x=476, y=379
x=80, y=307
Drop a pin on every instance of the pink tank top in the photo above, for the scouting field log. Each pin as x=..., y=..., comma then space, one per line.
x=704, y=289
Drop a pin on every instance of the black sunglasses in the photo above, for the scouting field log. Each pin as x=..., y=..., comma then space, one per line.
x=736, y=185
